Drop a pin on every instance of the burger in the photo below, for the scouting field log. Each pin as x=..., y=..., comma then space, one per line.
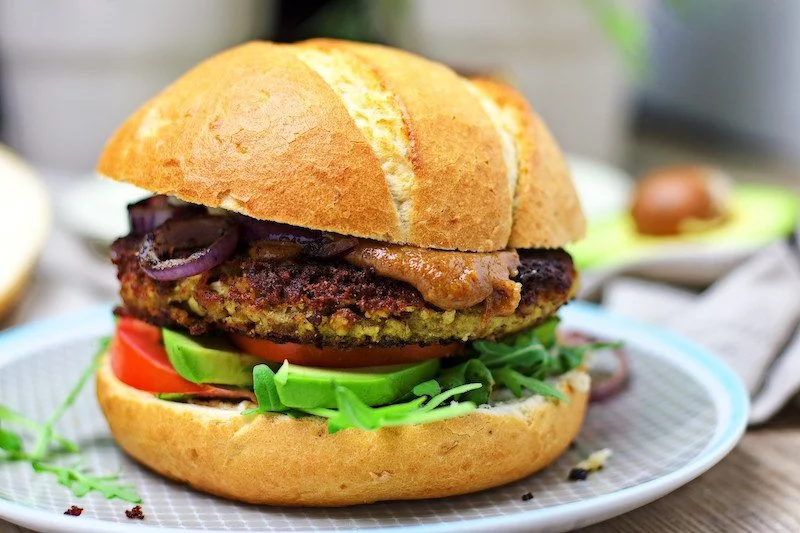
x=343, y=289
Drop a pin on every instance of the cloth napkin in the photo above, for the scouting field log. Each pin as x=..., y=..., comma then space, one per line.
x=750, y=317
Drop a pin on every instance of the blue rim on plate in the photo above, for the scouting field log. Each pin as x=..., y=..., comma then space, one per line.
x=726, y=391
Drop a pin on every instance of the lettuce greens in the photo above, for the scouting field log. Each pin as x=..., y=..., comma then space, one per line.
x=518, y=363
x=352, y=412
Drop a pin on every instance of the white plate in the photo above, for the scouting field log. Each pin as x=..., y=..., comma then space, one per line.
x=683, y=412
x=96, y=208
x=602, y=189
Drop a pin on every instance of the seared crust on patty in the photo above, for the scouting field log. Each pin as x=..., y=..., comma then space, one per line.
x=329, y=302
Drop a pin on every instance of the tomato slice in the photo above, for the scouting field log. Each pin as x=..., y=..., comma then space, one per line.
x=139, y=359
x=327, y=357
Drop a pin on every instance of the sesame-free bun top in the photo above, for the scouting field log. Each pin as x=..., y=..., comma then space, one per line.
x=356, y=139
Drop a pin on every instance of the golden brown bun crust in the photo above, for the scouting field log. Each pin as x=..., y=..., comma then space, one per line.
x=278, y=460
x=548, y=213
x=289, y=133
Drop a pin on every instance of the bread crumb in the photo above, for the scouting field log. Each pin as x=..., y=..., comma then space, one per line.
x=596, y=461
x=135, y=513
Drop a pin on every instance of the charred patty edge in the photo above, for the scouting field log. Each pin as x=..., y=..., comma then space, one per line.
x=330, y=303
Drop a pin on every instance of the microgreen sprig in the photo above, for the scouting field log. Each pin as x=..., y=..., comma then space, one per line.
x=528, y=359
x=81, y=482
x=77, y=479
x=352, y=412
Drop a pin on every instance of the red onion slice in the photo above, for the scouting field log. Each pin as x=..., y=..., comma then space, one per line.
x=331, y=247
x=315, y=243
x=264, y=230
x=605, y=384
x=208, y=241
x=148, y=214
x=608, y=385
x=273, y=250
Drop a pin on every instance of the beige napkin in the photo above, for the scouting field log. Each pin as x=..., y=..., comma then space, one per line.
x=749, y=317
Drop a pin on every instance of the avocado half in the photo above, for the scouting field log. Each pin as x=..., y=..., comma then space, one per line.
x=758, y=214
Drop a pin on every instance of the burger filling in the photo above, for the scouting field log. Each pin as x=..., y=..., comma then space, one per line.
x=366, y=334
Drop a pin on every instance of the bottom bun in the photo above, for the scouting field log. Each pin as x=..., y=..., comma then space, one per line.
x=279, y=460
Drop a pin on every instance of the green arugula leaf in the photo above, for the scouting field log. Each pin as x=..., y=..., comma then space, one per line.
x=351, y=412
x=79, y=481
x=40, y=449
x=545, y=333
x=10, y=442
x=41, y=431
x=442, y=413
x=82, y=483
x=571, y=357
x=495, y=355
x=470, y=371
x=266, y=392
x=436, y=401
x=515, y=381
x=427, y=388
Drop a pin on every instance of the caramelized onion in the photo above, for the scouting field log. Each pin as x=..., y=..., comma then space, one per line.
x=180, y=248
x=314, y=243
x=331, y=247
x=146, y=215
x=273, y=250
x=264, y=230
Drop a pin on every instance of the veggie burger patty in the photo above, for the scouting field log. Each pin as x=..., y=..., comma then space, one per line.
x=329, y=302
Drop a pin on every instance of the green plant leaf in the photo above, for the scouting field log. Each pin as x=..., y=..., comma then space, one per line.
x=495, y=355
x=355, y=412
x=16, y=419
x=442, y=413
x=82, y=483
x=10, y=441
x=266, y=392
x=351, y=412
x=516, y=382
x=571, y=357
x=470, y=371
x=427, y=388
x=40, y=449
x=443, y=397
x=545, y=333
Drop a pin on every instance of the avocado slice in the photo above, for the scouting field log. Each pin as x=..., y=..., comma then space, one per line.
x=306, y=387
x=758, y=214
x=209, y=360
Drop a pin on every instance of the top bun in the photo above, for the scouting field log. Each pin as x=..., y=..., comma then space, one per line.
x=356, y=139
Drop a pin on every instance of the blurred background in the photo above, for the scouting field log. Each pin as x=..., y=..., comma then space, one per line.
x=626, y=86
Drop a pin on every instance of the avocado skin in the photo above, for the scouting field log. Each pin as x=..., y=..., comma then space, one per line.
x=309, y=387
x=209, y=360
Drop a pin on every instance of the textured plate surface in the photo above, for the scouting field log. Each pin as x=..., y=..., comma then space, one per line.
x=682, y=413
